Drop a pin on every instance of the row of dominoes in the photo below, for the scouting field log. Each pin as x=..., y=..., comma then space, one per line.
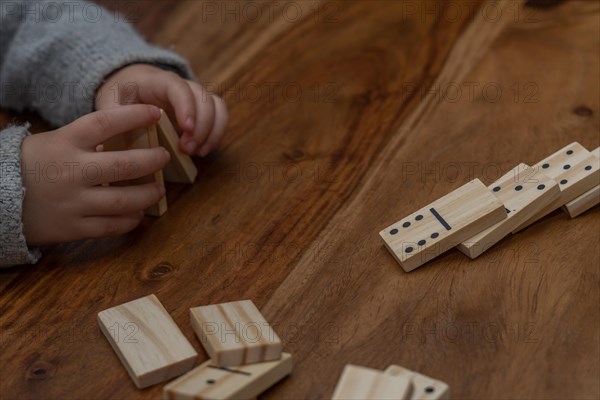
x=473, y=217
x=246, y=354
x=395, y=383
x=181, y=168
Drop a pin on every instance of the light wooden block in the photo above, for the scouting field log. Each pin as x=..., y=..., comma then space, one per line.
x=587, y=200
x=181, y=168
x=235, y=333
x=423, y=387
x=576, y=171
x=362, y=383
x=210, y=382
x=147, y=341
x=443, y=224
x=524, y=191
x=140, y=139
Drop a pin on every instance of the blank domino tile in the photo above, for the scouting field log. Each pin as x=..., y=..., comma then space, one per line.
x=587, y=200
x=210, y=382
x=575, y=169
x=147, y=341
x=443, y=224
x=523, y=191
x=362, y=383
x=181, y=168
x=423, y=387
x=235, y=333
x=140, y=139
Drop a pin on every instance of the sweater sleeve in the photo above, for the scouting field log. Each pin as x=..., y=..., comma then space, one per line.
x=13, y=247
x=55, y=55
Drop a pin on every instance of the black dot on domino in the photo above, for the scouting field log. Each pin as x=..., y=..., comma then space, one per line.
x=393, y=231
x=545, y=166
x=422, y=242
x=541, y=187
x=409, y=250
x=210, y=381
x=496, y=189
x=566, y=166
x=569, y=152
x=588, y=167
x=434, y=235
x=564, y=182
x=406, y=224
x=419, y=217
x=518, y=188
x=429, y=389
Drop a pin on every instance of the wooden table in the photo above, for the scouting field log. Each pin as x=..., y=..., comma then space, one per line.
x=346, y=116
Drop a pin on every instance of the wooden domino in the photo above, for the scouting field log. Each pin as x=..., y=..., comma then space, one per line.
x=362, y=383
x=423, y=387
x=576, y=171
x=443, y=224
x=587, y=200
x=210, y=382
x=147, y=341
x=523, y=191
x=235, y=333
x=181, y=168
x=140, y=139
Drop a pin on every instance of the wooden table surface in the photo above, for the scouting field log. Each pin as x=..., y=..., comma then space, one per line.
x=345, y=117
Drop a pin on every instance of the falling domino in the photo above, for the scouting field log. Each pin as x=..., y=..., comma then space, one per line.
x=360, y=383
x=424, y=387
x=210, y=382
x=235, y=333
x=443, y=224
x=139, y=139
x=587, y=200
x=147, y=341
x=575, y=169
x=181, y=168
x=523, y=191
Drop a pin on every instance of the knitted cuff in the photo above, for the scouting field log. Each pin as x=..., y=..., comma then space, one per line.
x=13, y=247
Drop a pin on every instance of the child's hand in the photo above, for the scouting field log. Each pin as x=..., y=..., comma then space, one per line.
x=201, y=116
x=63, y=176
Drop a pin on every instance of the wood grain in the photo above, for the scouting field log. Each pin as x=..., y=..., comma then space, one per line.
x=287, y=212
x=147, y=341
x=235, y=333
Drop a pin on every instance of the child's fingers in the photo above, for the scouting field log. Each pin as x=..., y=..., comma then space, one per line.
x=170, y=91
x=96, y=227
x=205, y=118
x=218, y=129
x=120, y=200
x=97, y=127
x=115, y=166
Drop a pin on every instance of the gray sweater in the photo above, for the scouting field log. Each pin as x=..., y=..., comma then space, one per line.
x=53, y=57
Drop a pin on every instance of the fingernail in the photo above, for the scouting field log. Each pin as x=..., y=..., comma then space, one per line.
x=189, y=124
x=155, y=111
x=162, y=191
x=190, y=146
x=204, y=151
x=167, y=154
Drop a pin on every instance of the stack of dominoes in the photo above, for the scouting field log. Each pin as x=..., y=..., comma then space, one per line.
x=395, y=383
x=181, y=168
x=246, y=355
x=473, y=217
